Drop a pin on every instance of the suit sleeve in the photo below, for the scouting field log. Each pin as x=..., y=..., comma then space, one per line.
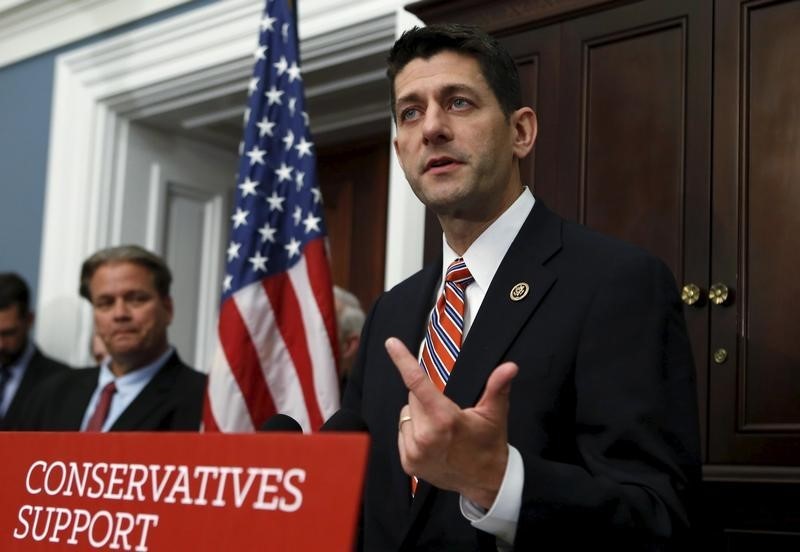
x=636, y=428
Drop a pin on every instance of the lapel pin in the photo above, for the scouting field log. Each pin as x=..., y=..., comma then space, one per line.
x=519, y=291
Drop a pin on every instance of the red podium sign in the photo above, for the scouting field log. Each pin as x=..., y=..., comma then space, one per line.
x=180, y=491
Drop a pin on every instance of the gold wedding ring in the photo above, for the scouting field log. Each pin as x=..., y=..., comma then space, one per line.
x=403, y=420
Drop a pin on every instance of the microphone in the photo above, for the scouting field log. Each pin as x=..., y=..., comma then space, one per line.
x=281, y=422
x=345, y=420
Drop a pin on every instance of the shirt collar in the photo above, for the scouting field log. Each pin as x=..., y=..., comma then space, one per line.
x=134, y=377
x=483, y=257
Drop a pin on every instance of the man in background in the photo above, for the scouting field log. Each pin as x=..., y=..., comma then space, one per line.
x=141, y=384
x=23, y=367
x=350, y=320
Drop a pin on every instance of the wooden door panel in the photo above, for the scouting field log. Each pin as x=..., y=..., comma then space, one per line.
x=757, y=234
x=537, y=55
x=635, y=139
x=633, y=184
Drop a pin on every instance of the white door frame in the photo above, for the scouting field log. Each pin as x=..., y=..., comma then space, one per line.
x=99, y=89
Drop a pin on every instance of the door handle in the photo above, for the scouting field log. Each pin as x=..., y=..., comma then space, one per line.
x=719, y=294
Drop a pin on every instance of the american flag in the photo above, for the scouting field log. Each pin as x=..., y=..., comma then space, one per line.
x=276, y=345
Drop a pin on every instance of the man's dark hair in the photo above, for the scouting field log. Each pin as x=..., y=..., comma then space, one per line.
x=14, y=291
x=497, y=65
x=162, y=277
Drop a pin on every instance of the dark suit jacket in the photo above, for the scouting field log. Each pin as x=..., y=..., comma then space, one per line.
x=603, y=409
x=38, y=370
x=171, y=401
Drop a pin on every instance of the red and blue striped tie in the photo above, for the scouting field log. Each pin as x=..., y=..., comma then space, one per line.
x=446, y=326
x=445, y=330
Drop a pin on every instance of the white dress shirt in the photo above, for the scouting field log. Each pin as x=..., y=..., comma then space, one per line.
x=482, y=259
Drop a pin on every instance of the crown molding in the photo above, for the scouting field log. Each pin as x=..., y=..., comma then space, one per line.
x=32, y=27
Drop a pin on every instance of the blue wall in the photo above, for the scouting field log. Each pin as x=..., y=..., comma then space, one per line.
x=26, y=94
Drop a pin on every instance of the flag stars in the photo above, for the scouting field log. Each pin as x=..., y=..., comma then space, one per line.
x=260, y=52
x=275, y=202
x=265, y=126
x=297, y=216
x=294, y=72
x=239, y=218
x=267, y=22
x=288, y=140
x=267, y=233
x=273, y=96
x=303, y=147
x=256, y=155
x=284, y=172
x=248, y=187
x=293, y=247
x=292, y=106
x=233, y=250
x=311, y=223
x=285, y=32
x=317, y=195
x=259, y=262
x=227, y=283
x=252, y=86
x=281, y=65
x=246, y=116
x=298, y=179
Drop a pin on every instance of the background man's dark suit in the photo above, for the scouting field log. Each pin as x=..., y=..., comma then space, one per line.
x=38, y=370
x=172, y=400
x=603, y=409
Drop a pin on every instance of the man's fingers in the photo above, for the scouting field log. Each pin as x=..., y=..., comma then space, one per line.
x=413, y=376
x=498, y=387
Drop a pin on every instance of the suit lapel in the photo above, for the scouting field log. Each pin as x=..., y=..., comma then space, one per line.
x=155, y=396
x=500, y=318
x=32, y=375
x=81, y=386
x=413, y=305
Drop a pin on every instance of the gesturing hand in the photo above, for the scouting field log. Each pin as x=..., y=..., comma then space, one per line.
x=459, y=450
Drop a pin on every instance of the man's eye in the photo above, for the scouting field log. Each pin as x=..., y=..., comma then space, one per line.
x=459, y=103
x=138, y=299
x=409, y=114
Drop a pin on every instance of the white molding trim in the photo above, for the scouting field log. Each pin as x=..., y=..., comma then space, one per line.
x=30, y=27
x=101, y=87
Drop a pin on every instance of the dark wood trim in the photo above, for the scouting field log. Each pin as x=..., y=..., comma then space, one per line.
x=506, y=15
x=750, y=474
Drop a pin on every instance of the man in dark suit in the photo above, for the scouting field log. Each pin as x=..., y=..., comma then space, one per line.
x=142, y=383
x=23, y=367
x=586, y=432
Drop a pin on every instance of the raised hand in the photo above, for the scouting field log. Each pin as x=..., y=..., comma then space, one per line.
x=462, y=450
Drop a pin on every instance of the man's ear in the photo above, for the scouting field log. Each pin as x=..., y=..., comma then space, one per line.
x=350, y=346
x=169, y=306
x=525, y=127
x=29, y=319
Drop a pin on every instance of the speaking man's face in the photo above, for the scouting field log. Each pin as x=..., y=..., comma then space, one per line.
x=454, y=143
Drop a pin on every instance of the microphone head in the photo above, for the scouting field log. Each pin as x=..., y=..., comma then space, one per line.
x=281, y=422
x=345, y=420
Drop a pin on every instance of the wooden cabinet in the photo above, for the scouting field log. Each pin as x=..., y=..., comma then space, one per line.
x=675, y=124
